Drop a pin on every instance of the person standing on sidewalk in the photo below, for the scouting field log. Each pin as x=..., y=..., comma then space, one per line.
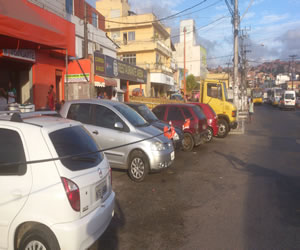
x=251, y=110
x=51, y=98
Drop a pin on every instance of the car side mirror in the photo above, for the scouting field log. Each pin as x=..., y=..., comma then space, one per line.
x=119, y=125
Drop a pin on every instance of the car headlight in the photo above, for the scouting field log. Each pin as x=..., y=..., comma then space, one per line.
x=176, y=137
x=157, y=146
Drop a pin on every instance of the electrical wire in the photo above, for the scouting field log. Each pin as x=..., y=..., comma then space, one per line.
x=10, y=164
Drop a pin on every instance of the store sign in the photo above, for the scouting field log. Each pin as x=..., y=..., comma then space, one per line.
x=114, y=68
x=22, y=54
x=99, y=63
x=77, y=77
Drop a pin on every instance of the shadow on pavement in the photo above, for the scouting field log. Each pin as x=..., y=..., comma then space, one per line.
x=272, y=213
x=109, y=240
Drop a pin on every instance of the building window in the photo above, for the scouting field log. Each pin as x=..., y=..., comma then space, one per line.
x=131, y=36
x=130, y=58
x=125, y=38
x=95, y=20
x=69, y=6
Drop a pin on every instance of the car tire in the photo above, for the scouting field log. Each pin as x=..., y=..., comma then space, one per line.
x=138, y=166
x=38, y=237
x=223, y=128
x=188, y=142
x=210, y=135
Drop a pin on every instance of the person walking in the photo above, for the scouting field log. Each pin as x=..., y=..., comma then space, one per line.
x=251, y=110
x=51, y=98
x=3, y=100
x=114, y=95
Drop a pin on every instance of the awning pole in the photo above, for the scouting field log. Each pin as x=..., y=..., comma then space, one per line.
x=67, y=86
x=141, y=89
x=127, y=92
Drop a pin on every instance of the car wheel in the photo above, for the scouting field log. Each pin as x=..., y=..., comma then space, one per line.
x=39, y=238
x=188, y=142
x=210, y=135
x=223, y=128
x=138, y=166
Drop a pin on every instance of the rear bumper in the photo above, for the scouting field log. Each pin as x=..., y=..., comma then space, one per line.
x=82, y=233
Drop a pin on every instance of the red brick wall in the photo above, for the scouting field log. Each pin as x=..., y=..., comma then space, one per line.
x=79, y=12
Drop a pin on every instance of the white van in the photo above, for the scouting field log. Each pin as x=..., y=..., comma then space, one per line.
x=288, y=100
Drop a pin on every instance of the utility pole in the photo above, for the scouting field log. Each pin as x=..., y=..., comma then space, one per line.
x=293, y=69
x=85, y=39
x=236, y=51
x=184, y=66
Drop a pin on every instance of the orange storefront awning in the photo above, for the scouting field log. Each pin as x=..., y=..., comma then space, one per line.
x=104, y=81
x=26, y=26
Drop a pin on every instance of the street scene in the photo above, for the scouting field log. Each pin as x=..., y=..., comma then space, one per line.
x=237, y=193
x=145, y=125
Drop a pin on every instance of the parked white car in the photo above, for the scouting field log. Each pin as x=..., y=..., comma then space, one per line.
x=64, y=203
x=288, y=100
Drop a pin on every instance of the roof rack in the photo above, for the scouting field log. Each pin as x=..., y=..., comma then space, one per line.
x=17, y=116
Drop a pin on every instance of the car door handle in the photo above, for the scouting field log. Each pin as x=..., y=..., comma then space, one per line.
x=17, y=193
x=95, y=132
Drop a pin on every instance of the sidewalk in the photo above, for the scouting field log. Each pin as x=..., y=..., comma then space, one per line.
x=241, y=119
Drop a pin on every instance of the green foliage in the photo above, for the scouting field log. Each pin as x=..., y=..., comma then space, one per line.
x=191, y=83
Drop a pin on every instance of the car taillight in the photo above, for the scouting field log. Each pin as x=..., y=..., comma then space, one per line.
x=234, y=113
x=72, y=191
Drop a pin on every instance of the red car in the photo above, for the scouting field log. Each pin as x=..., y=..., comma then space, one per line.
x=195, y=131
x=212, y=120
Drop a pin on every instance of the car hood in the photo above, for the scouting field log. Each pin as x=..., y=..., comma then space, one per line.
x=150, y=131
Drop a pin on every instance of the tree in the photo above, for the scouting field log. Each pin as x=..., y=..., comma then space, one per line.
x=191, y=83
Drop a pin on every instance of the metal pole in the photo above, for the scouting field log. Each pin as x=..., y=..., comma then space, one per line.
x=236, y=52
x=86, y=45
x=67, y=83
x=293, y=70
x=184, y=66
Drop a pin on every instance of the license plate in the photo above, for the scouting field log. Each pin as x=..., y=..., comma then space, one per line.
x=101, y=190
x=172, y=156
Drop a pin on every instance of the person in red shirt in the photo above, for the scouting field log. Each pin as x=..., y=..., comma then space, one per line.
x=51, y=98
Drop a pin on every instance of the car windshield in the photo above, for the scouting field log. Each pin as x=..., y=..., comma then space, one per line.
x=225, y=91
x=145, y=112
x=74, y=141
x=131, y=115
x=289, y=96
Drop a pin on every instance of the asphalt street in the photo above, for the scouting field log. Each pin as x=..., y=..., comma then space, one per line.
x=241, y=192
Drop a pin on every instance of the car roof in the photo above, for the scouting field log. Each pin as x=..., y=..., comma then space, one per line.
x=134, y=104
x=177, y=104
x=96, y=101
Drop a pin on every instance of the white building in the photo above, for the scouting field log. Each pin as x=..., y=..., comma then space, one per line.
x=195, y=54
x=281, y=79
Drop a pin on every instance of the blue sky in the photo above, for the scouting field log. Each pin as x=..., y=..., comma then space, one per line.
x=273, y=26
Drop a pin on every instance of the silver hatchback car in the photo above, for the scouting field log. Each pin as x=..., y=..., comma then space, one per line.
x=113, y=124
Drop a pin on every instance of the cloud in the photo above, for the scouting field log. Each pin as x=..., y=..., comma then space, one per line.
x=273, y=18
x=290, y=42
x=249, y=15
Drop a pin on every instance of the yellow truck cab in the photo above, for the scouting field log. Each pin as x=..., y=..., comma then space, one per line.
x=214, y=93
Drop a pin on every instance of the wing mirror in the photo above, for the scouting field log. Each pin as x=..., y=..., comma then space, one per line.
x=119, y=125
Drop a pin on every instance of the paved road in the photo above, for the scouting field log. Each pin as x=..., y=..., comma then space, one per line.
x=242, y=192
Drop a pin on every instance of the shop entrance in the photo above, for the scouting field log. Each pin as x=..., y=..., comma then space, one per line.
x=19, y=74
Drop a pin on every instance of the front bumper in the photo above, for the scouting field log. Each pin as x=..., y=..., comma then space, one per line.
x=82, y=233
x=161, y=159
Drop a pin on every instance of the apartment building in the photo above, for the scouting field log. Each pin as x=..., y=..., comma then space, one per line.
x=195, y=54
x=144, y=42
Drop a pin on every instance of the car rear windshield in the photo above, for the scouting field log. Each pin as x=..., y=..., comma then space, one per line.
x=73, y=141
x=289, y=96
x=212, y=110
x=198, y=112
